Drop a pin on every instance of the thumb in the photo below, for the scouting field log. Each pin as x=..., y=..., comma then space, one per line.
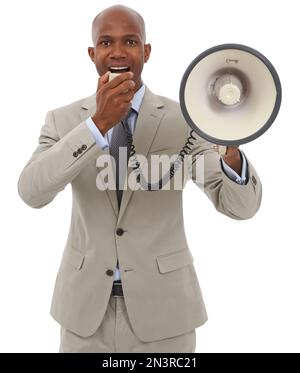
x=103, y=79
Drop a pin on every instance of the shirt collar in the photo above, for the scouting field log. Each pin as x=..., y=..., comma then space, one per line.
x=138, y=98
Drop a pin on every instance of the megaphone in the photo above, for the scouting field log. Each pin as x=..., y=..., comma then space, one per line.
x=230, y=94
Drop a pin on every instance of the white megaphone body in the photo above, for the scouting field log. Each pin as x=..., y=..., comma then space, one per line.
x=230, y=94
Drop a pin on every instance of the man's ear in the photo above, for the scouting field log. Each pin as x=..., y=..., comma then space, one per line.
x=147, y=51
x=91, y=53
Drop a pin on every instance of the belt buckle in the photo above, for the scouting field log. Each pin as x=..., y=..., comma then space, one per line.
x=116, y=295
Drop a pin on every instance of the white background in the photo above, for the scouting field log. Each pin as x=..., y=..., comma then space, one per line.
x=248, y=270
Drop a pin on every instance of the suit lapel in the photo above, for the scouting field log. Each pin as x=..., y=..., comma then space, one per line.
x=148, y=120
x=147, y=125
x=88, y=108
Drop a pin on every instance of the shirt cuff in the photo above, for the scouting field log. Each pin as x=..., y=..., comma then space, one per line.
x=232, y=174
x=100, y=140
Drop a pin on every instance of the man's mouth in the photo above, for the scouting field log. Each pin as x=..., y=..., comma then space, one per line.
x=119, y=69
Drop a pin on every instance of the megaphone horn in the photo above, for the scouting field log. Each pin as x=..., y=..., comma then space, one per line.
x=230, y=94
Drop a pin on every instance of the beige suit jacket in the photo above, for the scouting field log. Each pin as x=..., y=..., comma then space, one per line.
x=161, y=289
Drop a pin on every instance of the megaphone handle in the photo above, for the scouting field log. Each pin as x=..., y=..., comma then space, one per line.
x=222, y=149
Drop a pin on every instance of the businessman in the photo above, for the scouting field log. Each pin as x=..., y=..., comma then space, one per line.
x=126, y=282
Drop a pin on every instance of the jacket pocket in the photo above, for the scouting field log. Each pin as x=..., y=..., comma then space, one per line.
x=74, y=257
x=170, y=262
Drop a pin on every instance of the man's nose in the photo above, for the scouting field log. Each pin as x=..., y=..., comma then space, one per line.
x=117, y=51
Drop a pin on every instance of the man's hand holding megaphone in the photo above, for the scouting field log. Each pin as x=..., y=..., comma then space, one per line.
x=233, y=158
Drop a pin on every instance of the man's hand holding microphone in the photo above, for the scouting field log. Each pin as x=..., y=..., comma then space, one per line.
x=113, y=100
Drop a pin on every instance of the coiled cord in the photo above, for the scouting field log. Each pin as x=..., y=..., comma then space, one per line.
x=173, y=168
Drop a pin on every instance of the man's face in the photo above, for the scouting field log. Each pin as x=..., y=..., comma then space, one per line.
x=119, y=43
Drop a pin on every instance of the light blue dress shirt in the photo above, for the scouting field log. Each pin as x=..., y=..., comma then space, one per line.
x=104, y=141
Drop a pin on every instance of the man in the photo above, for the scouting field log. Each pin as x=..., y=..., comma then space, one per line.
x=126, y=282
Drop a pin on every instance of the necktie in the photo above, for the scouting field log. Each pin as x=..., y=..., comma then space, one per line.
x=119, y=140
x=119, y=149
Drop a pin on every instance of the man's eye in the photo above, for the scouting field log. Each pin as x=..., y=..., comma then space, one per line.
x=131, y=42
x=105, y=42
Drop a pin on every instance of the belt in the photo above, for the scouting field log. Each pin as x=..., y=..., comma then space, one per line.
x=117, y=290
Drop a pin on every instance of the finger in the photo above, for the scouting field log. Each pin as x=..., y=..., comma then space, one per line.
x=124, y=99
x=126, y=87
x=232, y=150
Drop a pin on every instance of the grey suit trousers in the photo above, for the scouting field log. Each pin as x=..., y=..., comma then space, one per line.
x=115, y=334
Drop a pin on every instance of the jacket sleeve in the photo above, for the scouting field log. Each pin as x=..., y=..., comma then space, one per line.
x=55, y=162
x=228, y=197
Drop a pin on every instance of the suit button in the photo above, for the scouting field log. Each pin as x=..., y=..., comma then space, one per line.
x=75, y=154
x=83, y=147
x=254, y=180
x=79, y=151
x=109, y=272
x=120, y=231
